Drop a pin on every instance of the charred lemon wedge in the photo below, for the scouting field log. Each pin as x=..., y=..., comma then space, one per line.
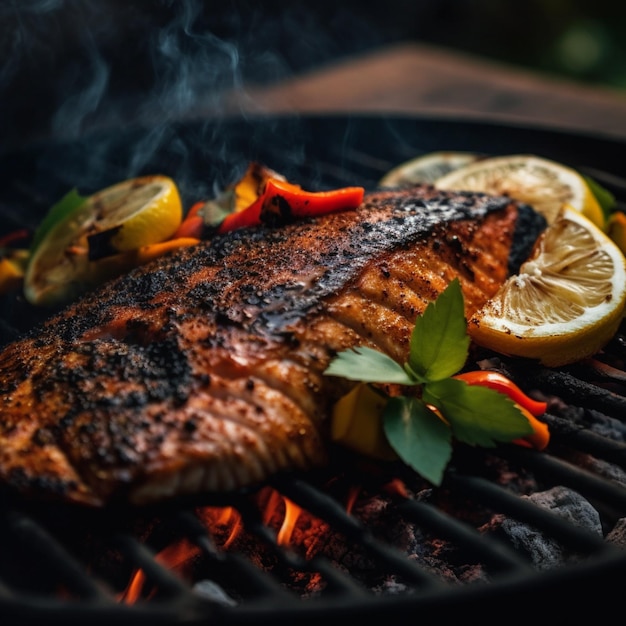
x=86, y=240
x=544, y=184
x=565, y=303
x=134, y=213
x=427, y=168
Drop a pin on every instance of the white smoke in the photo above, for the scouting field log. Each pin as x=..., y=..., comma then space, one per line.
x=75, y=70
x=73, y=66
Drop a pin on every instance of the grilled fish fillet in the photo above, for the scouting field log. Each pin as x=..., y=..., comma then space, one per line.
x=203, y=371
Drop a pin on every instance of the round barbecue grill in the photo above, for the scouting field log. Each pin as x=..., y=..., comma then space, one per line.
x=511, y=535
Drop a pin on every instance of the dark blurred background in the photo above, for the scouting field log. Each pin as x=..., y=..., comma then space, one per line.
x=72, y=65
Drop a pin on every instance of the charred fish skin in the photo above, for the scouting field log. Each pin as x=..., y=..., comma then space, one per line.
x=204, y=371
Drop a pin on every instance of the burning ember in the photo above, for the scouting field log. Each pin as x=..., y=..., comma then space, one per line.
x=282, y=538
x=292, y=528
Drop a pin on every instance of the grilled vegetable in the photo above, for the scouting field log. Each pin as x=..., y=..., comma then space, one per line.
x=282, y=202
x=531, y=408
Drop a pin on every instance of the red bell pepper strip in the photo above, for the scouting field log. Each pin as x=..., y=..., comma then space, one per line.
x=501, y=383
x=295, y=202
x=192, y=225
x=251, y=216
x=539, y=438
x=530, y=408
x=281, y=202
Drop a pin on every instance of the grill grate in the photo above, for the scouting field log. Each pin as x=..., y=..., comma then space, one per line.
x=62, y=565
x=45, y=577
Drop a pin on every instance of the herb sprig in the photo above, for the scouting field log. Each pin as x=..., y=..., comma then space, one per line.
x=421, y=427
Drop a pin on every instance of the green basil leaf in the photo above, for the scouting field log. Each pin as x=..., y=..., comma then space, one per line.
x=418, y=436
x=368, y=366
x=477, y=415
x=605, y=198
x=439, y=342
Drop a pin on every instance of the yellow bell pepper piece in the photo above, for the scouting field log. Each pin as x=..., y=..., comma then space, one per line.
x=616, y=229
x=357, y=422
x=12, y=268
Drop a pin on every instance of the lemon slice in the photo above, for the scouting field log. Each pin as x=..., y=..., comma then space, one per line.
x=544, y=184
x=70, y=255
x=565, y=303
x=134, y=213
x=427, y=168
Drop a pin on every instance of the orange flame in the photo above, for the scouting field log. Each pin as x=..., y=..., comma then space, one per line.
x=292, y=513
x=352, y=496
x=175, y=557
x=222, y=520
x=276, y=503
x=396, y=487
x=226, y=525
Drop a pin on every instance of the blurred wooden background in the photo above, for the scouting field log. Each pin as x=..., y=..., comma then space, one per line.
x=421, y=79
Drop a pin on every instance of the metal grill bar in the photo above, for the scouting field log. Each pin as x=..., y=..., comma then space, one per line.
x=493, y=554
x=325, y=507
x=50, y=555
x=338, y=584
x=231, y=567
x=578, y=437
x=526, y=511
x=163, y=580
x=574, y=390
x=559, y=471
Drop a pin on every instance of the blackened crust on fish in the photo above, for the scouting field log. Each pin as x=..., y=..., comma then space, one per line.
x=529, y=223
x=205, y=370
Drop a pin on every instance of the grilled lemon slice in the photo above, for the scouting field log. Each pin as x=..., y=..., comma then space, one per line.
x=131, y=214
x=544, y=184
x=80, y=248
x=427, y=168
x=565, y=303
